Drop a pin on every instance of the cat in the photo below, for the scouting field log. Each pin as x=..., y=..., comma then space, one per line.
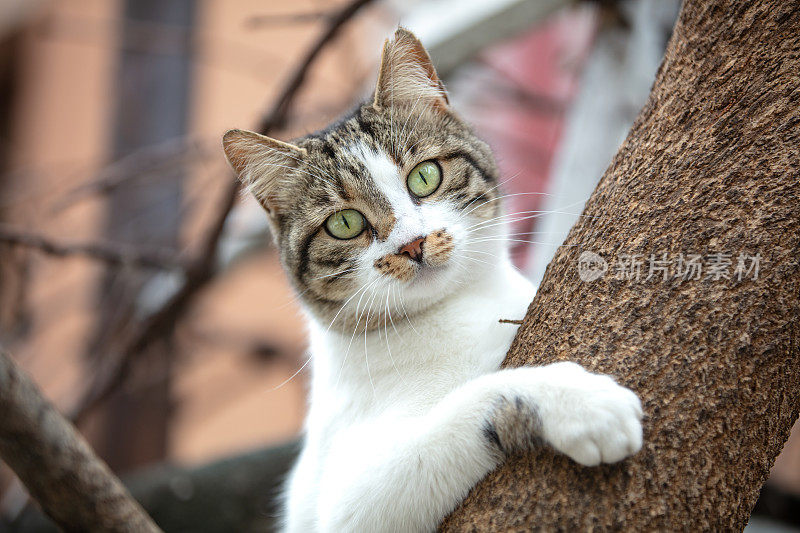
x=390, y=228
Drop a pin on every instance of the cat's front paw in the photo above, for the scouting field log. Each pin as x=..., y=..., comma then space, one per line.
x=589, y=417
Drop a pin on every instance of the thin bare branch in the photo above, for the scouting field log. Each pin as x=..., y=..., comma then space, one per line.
x=259, y=21
x=73, y=486
x=139, y=164
x=106, y=252
x=277, y=115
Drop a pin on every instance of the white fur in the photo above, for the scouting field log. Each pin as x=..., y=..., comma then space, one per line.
x=394, y=434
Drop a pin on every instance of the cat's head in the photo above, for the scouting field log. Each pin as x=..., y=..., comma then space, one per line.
x=389, y=210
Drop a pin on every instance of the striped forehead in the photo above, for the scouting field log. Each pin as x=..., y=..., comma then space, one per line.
x=383, y=183
x=382, y=172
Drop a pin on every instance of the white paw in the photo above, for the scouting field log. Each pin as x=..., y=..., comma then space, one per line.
x=589, y=417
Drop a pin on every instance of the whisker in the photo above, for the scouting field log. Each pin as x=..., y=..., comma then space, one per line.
x=540, y=212
x=403, y=305
x=344, y=305
x=468, y=251
x=386, y=332
x=521, y=233
x=335, y=274
x=498, y=184
x=536, y=214
x=293, y=299
x=290, y=378
x=502, y=197
x=502, y=221
x=366, y=351
x=478, y=260
x=523, y=240
x=394, y=299
x=355, y=328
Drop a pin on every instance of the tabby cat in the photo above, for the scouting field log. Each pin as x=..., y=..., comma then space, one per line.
x=390, y=227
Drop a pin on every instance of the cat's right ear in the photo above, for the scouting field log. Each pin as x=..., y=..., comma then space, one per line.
x=407, y=76
x=259, y=162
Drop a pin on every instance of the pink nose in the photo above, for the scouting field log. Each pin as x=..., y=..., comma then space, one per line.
x=413, y=249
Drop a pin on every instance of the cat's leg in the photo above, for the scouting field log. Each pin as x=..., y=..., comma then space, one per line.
x=406, y=475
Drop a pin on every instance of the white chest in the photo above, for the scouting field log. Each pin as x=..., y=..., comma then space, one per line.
x=408, y=364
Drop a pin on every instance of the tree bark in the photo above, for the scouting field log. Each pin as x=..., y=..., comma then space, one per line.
x=711, y=165
x=74, y=487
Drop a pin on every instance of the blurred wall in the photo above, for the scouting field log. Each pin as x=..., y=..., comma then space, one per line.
x=61, y=137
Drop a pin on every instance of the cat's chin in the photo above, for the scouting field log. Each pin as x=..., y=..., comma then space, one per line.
x=427, y=274
x=429, y=284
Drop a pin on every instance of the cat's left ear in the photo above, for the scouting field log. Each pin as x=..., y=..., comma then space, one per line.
x=407, y=75
x=260, y=162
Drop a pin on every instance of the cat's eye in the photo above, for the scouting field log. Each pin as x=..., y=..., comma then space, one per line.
x=424, y=179
x=346, y=224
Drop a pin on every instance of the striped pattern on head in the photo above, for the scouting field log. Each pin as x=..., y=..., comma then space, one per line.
x=416, y=248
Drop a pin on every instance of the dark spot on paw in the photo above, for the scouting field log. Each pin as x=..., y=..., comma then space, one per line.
x=520, y=405
x=490, y=432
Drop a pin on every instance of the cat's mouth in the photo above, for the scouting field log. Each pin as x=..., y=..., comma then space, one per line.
x=407, y=270
x=421, y=258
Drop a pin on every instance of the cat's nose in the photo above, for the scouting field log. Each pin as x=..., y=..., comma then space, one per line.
x=413, y=249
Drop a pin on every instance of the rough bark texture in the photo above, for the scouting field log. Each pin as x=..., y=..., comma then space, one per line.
x=73, y=486
x=711, y=165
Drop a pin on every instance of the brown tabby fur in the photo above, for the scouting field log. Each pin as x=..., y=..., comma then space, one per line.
x=301, y=184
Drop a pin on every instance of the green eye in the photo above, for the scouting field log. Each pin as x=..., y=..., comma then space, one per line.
x=424, y=179
x=345, y=224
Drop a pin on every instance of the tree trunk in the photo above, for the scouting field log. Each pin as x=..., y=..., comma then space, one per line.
x=711, y=166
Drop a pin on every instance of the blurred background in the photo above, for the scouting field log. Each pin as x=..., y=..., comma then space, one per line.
x=143, y=293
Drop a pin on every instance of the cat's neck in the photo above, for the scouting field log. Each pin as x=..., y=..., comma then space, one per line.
x=429, y=346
